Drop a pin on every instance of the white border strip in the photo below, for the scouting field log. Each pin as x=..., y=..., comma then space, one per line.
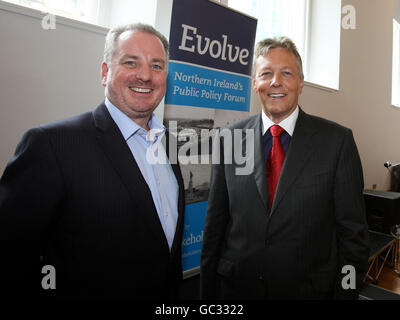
x=191, y=272
x=213, y=69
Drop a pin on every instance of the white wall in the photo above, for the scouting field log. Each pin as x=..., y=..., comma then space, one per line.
x=123, y=11
x=45, y=75
x=363, y=102
x=163, y=24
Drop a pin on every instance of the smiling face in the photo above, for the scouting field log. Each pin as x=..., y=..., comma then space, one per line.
x=136, y=78
x=278, y=83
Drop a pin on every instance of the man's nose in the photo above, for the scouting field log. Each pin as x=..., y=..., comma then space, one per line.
x=276, y=80
x=144, y=73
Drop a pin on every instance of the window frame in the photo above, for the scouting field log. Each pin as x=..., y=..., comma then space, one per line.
x=395, y=94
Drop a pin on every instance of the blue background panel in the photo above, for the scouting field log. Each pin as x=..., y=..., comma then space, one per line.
x=195, y=86
x=193, y=234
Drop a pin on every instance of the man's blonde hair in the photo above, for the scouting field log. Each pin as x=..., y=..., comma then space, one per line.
x=265, y=45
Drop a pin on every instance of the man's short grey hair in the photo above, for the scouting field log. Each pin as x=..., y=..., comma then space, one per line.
x=265, y=45
x=114, y=33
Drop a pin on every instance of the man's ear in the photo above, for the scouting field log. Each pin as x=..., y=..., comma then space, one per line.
x=301, y=86
x=104, y=73
x=253, y=84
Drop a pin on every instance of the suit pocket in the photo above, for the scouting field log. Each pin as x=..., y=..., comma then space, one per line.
x=225, y=268
x=225, y=281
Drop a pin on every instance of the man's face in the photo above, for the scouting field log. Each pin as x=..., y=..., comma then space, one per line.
x=278, y=83
x=136, y=78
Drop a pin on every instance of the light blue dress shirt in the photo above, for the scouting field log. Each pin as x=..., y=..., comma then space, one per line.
x=158, y=174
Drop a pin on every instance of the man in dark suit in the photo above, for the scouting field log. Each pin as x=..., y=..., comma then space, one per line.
x=83, y=213
x=294, y=228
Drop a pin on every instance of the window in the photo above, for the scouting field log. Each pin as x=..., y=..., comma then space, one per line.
x=313, y=25
x=82, y=10
x=277, y=18
x=396, y=64
x=105, y=13
x=323, y=45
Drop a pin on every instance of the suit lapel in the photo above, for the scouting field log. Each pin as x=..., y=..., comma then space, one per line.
x=300, y=149
x=122, y=160
x=176, y=244
x=260, y=173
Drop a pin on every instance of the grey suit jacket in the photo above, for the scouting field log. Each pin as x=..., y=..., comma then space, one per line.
x=316, y=225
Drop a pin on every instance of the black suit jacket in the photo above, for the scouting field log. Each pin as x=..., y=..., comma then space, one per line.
x=316, y=225
x=73, y=197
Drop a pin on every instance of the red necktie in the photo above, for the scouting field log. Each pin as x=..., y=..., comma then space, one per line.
x=275, y=161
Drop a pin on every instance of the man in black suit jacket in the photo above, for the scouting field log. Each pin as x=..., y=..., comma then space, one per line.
x=309, y=239
x=82, y=215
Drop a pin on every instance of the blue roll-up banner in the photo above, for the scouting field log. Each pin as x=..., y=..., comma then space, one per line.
x=208, y=86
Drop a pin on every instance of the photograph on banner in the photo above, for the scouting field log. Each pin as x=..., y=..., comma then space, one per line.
x=195, y=129
x=208, y=87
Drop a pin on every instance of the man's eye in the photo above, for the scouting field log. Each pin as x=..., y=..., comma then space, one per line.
x=287, y=73
x=130, y=63
x=157, y=67
x=265, y=74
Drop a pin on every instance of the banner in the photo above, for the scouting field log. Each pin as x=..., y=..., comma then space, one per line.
x=208, y=87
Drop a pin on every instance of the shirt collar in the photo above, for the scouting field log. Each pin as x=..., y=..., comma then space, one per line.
x=129, y=127
x=288, y=123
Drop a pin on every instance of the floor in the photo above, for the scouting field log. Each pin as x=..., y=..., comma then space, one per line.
x=389, y=280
